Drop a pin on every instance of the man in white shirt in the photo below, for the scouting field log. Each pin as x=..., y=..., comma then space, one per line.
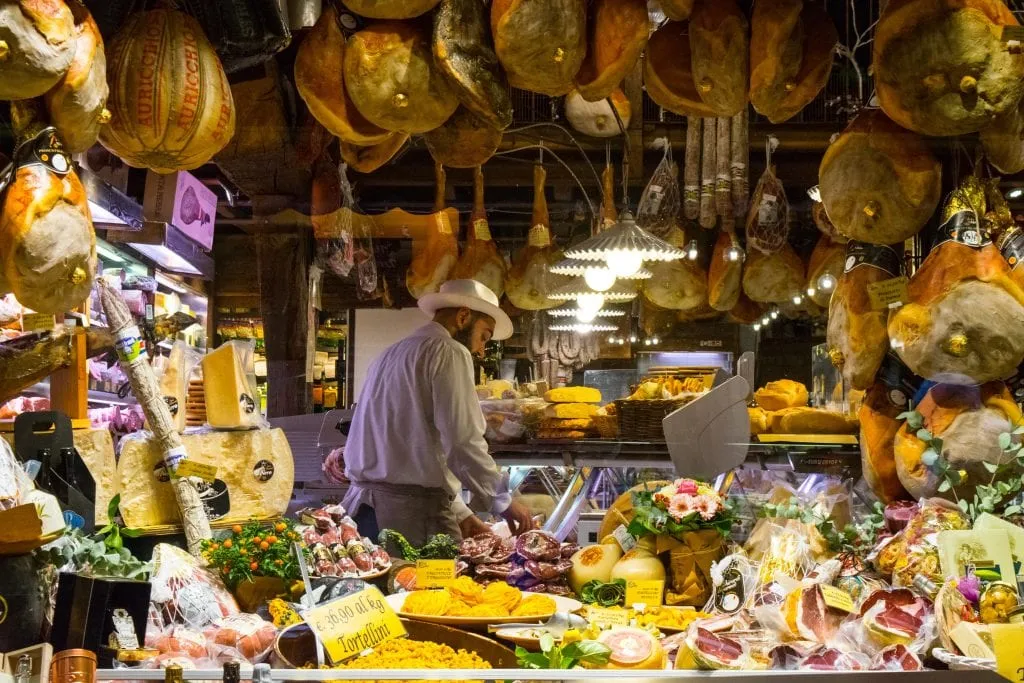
x=417, y=435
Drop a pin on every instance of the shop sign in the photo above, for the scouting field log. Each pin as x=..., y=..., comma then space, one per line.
x=355, y=623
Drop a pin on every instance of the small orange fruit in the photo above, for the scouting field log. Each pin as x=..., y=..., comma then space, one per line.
x=280, y=526
x=243, y=551
x=227, y=543
x=253, y=566
x=271, y=540
x=278, y=562
x=237, y=528
x=256, y=539
x=264, y=546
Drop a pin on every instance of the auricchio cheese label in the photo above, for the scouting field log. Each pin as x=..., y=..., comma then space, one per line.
x=539, y=236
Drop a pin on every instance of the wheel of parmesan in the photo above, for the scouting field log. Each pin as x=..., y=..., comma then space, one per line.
x=879, y=183
x=392, y=79
x=943, y=68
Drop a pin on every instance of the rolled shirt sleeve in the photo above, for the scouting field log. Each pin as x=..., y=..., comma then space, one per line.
x=460, y=424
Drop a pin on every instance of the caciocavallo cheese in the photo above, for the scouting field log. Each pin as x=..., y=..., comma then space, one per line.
x=231, y=401
x=254, y=477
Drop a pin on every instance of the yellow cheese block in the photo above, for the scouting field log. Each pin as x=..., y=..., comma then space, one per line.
x=572, y=395
x=570, y=411
x=556, y=423
x=254, y=478
x=173, y=386
x=812, y=421
x=231, y=401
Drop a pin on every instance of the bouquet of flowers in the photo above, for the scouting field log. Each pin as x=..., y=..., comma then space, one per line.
x=682, y=506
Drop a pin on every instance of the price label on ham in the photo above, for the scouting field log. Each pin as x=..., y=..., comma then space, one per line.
x=891, y=293
x=1008, y=641
x=837, y=598
x=646, y=592
x=434, y=573
x=191, y=468
x=355, y=623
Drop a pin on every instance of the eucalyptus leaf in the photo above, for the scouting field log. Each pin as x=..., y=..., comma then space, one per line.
x=1005, y=440
x=1012, y=510
x=944, y=486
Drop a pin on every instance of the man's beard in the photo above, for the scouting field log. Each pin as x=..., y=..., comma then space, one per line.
x=463, y=336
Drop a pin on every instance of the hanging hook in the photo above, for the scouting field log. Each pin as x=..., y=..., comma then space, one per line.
x=771, y=143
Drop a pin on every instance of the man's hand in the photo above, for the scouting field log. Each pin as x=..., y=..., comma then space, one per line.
x=518, y=518
x=473, y=525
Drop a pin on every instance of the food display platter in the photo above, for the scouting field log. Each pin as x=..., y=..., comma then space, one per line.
x=562, y=604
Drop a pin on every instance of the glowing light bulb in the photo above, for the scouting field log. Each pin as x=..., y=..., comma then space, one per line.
x=590, y=302
x=734, y=254
x=611, y=340
x=585, y=316
x=691, y=250
x=655, y=341
x=599, y=279
x=647, y=342
x=765, y=321
x=625, y=263
x=632, y=339
x=775, y=315
x=827, y=282
x=797, y=300
x=584, y=329
x=757, y=327
x=811, y=291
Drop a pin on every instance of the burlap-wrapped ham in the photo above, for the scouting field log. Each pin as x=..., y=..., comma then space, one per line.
x=857, y=338
x=668, y=72
x=433, y=255
x=541, y=43
x=77, y=105
x=720, y=44
x=464, y=52
x=827, y=259
x=480, y=259
x=888, y=397
x=942, y=68
x=529, y=282
x=677, y=285
x=791, y=48
x=369, y=159
x=963, y=322
x=1003, y=140
x=969, y=420
x=391, y=77
x=38, y=39
x=47, y=241
x=879, y=183
x=725, y=277
x=775, y=277
x=618, y=32
x=463, y=141
x=320, y=80
x=390, y=9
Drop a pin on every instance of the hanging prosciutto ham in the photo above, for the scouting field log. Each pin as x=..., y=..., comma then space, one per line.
x=433, y=255
x=38, y=41
x=47, y=241
x=529, y=281
x=677, y=285
x=480, y=259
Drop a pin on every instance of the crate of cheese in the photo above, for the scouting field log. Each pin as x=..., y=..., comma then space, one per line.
x=570, y=413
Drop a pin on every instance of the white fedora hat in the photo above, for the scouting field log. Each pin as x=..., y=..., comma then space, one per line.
x=472, y=295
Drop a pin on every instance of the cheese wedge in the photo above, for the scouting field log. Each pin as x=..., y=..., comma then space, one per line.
x=231, y=402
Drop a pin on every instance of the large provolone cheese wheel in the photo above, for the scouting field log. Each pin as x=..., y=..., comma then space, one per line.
x=320, y=80
x=170, y=102
x=391, y=77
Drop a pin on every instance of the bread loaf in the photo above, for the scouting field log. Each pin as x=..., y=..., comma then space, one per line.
x=570, y=411
x=804, y=420
x=759, y=421
x=857, y=338
x=580, y=423
x=781, y=394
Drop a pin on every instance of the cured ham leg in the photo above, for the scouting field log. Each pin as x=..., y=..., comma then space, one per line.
x=433, y=255
x=480, y=259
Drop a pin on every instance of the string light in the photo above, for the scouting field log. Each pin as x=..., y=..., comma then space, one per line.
x=811, y=291
x=757, y=327
x=691, y=250
x=632, y=339
x=775, y=314
x=734, y=254
x=797, y=300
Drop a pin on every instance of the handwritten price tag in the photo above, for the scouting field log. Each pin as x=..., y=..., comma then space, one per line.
x=607, y=616
x=891, y=293
x=191, y=468
x=648, y=592
x=434, y=573
x=837, y=598
x=354, y=623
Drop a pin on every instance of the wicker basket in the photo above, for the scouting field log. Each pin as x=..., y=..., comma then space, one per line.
x=961, y=663
x=607, y=426
x=641, y=420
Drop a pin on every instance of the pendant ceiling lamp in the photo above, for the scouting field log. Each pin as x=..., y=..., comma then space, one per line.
x=589, y=300
x=624, y=247
x=596, y=325
x=596, y=274
x=570, y=310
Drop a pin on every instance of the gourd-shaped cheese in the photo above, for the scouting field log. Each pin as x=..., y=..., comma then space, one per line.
x=529, y=281
x=231, y=402
x=77, y=105
x=963, y=321
x=480, y=259
x=433, y=255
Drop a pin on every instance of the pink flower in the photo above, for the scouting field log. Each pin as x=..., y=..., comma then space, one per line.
x=680, y=507
x=707, y=506
x=688, y=486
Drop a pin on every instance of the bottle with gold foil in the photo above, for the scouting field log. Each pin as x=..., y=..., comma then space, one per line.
x=174, y=674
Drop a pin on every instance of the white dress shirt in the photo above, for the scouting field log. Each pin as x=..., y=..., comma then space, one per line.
x=418, y=421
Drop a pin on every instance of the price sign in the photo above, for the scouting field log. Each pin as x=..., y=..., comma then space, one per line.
x=891, y=293
x=354, y=623
x=1008, y=640
x=648, y=592
x=434, y=573
x=191, y=468
x=837, y=598
x=608, y=617
x=31, y=322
